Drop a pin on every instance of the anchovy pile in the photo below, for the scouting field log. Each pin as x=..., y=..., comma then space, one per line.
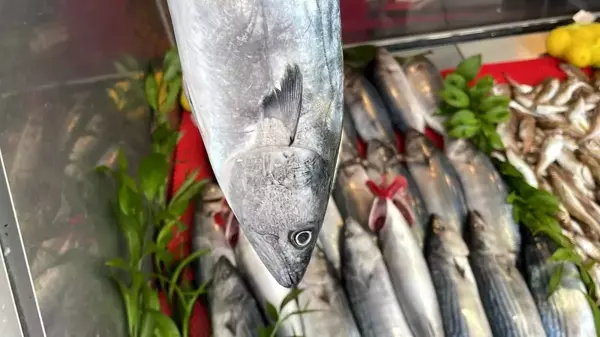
x=423, y=243
x=553, y=138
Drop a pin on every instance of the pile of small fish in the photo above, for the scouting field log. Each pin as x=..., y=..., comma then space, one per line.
x=553, y=139
x=414, y=244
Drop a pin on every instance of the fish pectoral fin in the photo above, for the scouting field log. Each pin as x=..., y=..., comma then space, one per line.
x=285, y=104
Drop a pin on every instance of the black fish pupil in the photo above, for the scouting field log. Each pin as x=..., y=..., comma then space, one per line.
x=302, y=238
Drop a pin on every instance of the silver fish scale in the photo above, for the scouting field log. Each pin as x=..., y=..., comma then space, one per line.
x=509, y=305
x=565, y=313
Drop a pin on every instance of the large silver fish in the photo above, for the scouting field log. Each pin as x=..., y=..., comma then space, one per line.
x=265, y=82
x=509, y=305
x=368, y=284
x=485, y=191
x=209, y=234
x=352, y=194
x=366, y=108
x=266, y=288
x=330, y=236
x=322, y=291
x=405, y=107
x=565, y=312
x=437, y=180
x=233, y=310
x=447, y=255
x=388, y=162
x=408, y=270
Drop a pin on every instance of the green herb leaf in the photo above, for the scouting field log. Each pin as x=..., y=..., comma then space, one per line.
x=153, y=173
x=494, y=101
x=170, y=56
x=147, y=329
x=445, y=109
x=121, y=161
x=271, y=312
x=565, y=254
x=118, y=263
x=455, y=97
x=266, y=331
x=358, y=57
x=464, y=131
x=165, y=326
x=595, y=310
x=455, y=80
x=555, y=279
x=151, y=300
x=173, y=91
x=173, y=69
x=469, y=68
x=291, y=296
x=493, y=138
x=184, y=263
x=131, y=306
x=151, y=90
x=496, y=115
x=463, y=117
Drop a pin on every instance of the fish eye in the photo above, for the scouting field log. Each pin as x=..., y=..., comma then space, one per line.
x=301, y=238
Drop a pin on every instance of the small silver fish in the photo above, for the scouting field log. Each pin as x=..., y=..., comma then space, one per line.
x=567, y=89
x=502, y=89
x=508, y=131
x=351, y=193
x=549, y=109
x=509, y=305
x=577, y=115
x=233, y=310
x=593, y=163
x=522, y=167
x=551, y=149
x=594, y=129
x=588, y=247
x=368, y=285
x=592, y=99
x=574, y=72
x=527, y=133
x=523, y=89
x=269, y=103
x=525, y=100
x=408, y=269
x=520, y=108
x=565, y=312
x=568, y=161
x=460, y=302
x=322, y=291
x=548, y=92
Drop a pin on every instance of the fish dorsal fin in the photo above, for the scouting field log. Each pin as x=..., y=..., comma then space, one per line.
x=285, y=104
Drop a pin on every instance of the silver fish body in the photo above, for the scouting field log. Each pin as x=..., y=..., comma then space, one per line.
x=577, y=115
x=565, y=312
x=330, y=236
x=384, y=158
x=509, y=305
x=366, y=108
x=392, y=82
x=527, y=133
x=368, y=285
x=568, y=161
x=461, y=308
x=567, y=89
x=485, y=191
x=437, y=180
x=322, y=291
x=522, y=167
x=520, y=88
x=351, y=193
x=266, y=288
x=233, y=310
x=408, y=271
x=548, y=91
x=574, y=72
x=207, y=234
x=268, y=102
x=550, y=151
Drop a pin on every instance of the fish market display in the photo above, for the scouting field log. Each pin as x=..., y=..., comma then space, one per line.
x=456, y=288
x=565, y=312
x=266, y=288
x=322, y=291
x=330, y=236
x=408, y=270
x=509, y=305
x=368, y=285
x=485, y=191
x=267, y=99
x=437, y=180
x=209, y=234
x=407, y=110
x=233, y=310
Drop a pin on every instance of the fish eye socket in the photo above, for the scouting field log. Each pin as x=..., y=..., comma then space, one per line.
x=302, y=238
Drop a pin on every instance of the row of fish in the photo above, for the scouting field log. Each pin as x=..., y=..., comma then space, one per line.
x=477, y=284
x=553, y=140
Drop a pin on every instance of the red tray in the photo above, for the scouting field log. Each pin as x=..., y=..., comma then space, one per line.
x=191, y=155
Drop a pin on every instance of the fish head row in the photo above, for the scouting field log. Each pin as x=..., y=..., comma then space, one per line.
x=225, y=276
x=481, y=236
x=444, y=240
x=279, y=195
x=379, y=153
x=460, y=150
x=417, y=147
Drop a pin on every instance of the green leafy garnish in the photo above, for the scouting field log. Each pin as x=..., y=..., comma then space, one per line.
x=469, y=68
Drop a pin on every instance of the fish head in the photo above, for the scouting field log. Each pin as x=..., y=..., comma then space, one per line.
x=481, y=236
x=225, y=276
x=460, y=150
x=279, y=195
x=417, y=147
x=444, y=240
x=385, y=61
x=379, y=153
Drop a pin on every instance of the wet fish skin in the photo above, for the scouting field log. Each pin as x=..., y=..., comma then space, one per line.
x=574, y=72
x=568, y=161
x=577, y=115
x=386, y=159
x=368, y=112
x=436, y=179
x=548, y=92
x=527, y=133
x=330, y=236
x=508, y=131
x=522, y=167
x=594, y=164
x=270, y=115
x=368, y=285
x=406, y=111
x=567, y=89
x=351, y=193
x=408, y=270
x=322, y=291
x=551, y=150
x=209, y=235
x=485, y=191
x=520, y=88
x=565, y=313
x=233, y=310
x=509, y=305
x=460, y=304
x=265, y=287
x=594, y=130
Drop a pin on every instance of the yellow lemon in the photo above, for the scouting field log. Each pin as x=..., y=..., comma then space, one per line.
x=595, y=27
x=583, y=35
x=595, y=50
x=558, y=42
x=184, y=102
x=579, y=55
